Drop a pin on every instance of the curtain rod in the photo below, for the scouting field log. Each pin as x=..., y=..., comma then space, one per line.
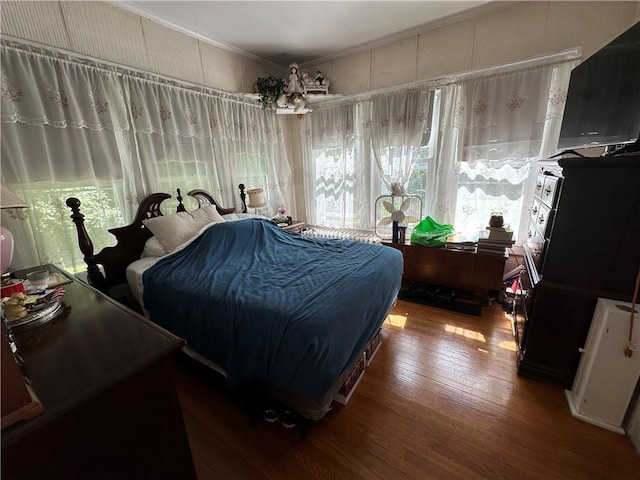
x=435, y=82
x=106, y=66
x=486, y=72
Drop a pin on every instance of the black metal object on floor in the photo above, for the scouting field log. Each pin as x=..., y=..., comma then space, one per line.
x=440, y=297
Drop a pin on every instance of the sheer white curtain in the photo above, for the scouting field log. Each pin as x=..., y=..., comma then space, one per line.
x=188, y=139
x=352, y=149
x=337, y=171
x=494, y=129
x=250, y=144
x=110, y=136
x=398, y=125
x=64, y=133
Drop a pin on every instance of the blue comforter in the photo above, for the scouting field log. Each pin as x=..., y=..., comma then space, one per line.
x=270, y=306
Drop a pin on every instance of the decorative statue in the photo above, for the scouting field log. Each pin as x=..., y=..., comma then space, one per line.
x=307, y=81
x=294, y=84
x=14, y=308
x=282, y=101
x=298, y=102
x=321, y=80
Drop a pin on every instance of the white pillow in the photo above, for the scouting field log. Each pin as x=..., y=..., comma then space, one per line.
x=153, y=248
x=173, y=230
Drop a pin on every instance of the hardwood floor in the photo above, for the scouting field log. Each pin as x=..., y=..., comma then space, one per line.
x=441, y=399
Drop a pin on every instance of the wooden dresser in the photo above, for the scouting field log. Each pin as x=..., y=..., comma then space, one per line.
x=110, y=408
x=586, y=246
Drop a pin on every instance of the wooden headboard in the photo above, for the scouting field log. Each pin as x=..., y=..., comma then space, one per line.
x=130, y=238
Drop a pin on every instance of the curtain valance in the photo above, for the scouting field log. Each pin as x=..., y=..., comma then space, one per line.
x=169, y=110
x=46, y=90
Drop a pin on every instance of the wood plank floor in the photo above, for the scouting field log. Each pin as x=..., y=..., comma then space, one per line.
x=441, y=400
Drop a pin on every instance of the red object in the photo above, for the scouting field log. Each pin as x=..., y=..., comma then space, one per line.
x=12, y=286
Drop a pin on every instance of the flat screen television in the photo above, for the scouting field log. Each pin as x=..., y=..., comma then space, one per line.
x=603, y=100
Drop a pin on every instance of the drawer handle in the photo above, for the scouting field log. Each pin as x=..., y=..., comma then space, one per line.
x=541, y=219
x=547, y=190
x=535, y=210
x=538, y=186
x=529, y=234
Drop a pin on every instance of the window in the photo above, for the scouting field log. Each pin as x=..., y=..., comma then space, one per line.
x=57, y=241
x=335, y=185
x=482, y=191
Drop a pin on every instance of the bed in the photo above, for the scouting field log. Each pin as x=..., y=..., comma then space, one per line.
x=290, y=314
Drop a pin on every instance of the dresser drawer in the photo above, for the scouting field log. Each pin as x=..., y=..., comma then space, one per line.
x=544, y=220
x=536, y=244
x=550, y=190
x=535, y=210
x=539, y=185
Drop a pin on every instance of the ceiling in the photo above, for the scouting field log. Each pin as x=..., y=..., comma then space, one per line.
x=297, y=31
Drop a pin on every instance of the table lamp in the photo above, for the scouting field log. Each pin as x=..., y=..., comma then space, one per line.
x=256, y=198
x=8, y=200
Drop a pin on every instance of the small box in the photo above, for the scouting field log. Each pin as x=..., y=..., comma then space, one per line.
x=352, y=381
x=373, y=347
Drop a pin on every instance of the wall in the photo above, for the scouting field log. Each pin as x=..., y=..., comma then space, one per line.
x=497, y=34
x=100, y=30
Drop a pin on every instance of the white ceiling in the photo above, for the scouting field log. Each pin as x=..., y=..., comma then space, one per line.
x=301, y=31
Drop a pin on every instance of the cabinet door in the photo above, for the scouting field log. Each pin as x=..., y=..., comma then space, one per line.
x=557, y=328
x=438, y=266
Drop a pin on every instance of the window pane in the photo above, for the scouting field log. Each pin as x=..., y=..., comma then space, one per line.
x=57, y=241
x=335, y=185
x=479, y=196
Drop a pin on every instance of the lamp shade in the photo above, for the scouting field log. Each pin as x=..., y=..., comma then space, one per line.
x=256, y=197
x=8, y=199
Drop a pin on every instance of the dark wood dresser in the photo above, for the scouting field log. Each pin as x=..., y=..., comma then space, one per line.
x=586, y=245
x=110, y=408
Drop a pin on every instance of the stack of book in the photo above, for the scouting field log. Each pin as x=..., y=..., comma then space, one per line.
x=496, y=241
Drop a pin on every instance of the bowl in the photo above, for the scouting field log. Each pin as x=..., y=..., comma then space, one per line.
x=39, y=278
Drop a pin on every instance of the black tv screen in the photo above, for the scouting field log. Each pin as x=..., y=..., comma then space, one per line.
x=603, y=101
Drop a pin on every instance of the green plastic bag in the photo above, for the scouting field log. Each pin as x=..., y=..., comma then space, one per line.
x=430, y=233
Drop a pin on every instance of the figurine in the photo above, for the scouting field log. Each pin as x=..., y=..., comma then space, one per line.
x=294, y=84
x=14, y=308
x=306, y=79
x=282, y=101
x=298, y=102
x=321, y=80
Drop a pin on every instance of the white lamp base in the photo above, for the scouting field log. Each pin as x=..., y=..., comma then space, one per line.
x=6, y=249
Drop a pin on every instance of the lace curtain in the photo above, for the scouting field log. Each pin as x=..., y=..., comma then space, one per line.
x=110, y=137
x=352, y=149
x=194, y=140
x=493, y=131
x=64, y=133
x=336, y=174
x=398, y=124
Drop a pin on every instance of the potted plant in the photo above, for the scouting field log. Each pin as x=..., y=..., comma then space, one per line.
x=269, y=89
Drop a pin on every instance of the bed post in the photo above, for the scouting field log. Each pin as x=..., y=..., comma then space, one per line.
x=180, y=207
x=243, y=197
x=96, y=278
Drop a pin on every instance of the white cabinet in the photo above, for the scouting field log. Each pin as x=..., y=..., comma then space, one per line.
x=606, y=378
